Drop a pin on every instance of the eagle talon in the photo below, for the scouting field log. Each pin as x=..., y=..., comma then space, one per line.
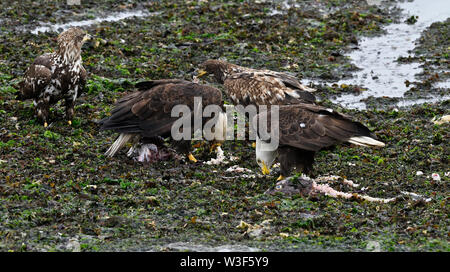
x=265, y=170
x=281, y=177
x=192, y=158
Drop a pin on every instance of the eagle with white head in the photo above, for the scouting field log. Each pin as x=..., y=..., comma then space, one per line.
x=301, y=131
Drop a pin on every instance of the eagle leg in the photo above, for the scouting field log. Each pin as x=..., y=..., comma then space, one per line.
x=290, y=158
x=42, y=109
x=70, y=105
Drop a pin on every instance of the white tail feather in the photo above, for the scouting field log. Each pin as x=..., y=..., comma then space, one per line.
x=308, y=89
x=221, y=129
x=292, y=93
x=295, y=94
x=365, y=141
x=120, y=141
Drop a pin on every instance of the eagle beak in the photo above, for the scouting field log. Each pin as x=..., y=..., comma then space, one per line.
x=265, y=170
x=201, y=73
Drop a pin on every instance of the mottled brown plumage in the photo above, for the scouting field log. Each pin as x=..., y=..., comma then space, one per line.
x=305, y=129
x=145, y=115
x=56, y=76
x=247, y=86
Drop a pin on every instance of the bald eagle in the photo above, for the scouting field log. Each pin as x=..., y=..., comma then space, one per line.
x=145, y=115
x=246, y=86
x=56, y=76
x=303, y=130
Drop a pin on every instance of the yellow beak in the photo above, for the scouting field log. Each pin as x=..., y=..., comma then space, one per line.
x=201, y=73
x=265, y=170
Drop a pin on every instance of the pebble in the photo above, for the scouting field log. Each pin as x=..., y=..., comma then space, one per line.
x=444, y=119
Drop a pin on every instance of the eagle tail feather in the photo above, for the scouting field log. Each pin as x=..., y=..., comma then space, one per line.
x=365, y=141
x=307, y=89
x=304, y=96
x=119, y=143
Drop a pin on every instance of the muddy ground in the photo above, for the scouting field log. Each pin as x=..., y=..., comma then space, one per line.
x=58, y=192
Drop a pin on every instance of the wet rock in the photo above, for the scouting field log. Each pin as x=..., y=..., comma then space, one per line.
x=373, y=246
x=412, y=20
x=73, y=245
x=439, y=121
x=292, y=186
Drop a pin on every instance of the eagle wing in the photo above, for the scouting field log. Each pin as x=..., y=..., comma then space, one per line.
x=149, y=112
x=36, y=77
x=83, y=78
x=266, y=88
x=313, y=127
x=148, y=84
x=290, y=81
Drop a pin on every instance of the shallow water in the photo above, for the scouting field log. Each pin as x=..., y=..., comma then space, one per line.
x=377, y=57
x=111, y=18
x=283, y=6
x=431, y=99
x=180, y=246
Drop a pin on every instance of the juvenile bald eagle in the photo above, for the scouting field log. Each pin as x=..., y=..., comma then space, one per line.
x=145, y=115
x=303, y=130
x=56, y=76
x=247, y=86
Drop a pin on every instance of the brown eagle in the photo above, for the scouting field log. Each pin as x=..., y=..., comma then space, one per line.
x=303, y=130
x=56, y=76
x=145, y=115
x=247, y=86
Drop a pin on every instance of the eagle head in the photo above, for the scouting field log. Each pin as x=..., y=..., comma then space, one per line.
x=219, y=68
x=264, y=156
x=70, y=43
